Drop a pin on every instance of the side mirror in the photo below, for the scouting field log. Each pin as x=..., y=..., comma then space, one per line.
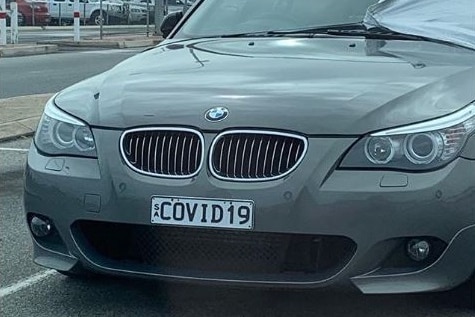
x=169, y=23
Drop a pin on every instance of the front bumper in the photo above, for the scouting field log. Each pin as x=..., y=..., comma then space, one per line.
x=377, y=211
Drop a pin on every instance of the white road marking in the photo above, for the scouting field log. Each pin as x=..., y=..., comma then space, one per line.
x=30, y=281
x=13, y=149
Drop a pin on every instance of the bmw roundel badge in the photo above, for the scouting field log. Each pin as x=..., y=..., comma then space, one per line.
x=216, y=114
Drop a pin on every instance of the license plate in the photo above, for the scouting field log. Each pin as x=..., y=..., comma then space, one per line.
x=203, y=212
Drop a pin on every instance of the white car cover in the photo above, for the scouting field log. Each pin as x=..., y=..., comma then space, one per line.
x=446, y=20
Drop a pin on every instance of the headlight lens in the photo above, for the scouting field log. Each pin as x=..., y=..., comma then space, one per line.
x=61, y=134
x=422, y=146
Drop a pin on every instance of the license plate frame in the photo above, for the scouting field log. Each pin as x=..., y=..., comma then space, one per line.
x=200, y=212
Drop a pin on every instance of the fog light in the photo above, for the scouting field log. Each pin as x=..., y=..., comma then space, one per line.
x=418, y=249
x=39, y=227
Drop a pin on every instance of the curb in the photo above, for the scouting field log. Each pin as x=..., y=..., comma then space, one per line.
x=19, y=116
x=14, y=131
x=25, y=50
x=105, y=43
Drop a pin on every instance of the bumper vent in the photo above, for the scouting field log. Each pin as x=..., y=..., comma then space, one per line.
x=213, y=253
x=167, y=152
x=256, y=155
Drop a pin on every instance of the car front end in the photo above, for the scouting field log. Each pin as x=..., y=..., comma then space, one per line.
x=317, y=162
x=137, y=14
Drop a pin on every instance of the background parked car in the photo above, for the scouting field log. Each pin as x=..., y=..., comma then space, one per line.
x=176, y=5
x=20, y=18
x=115, y=12
x=137, y=14
x=142, y=6
x=31, y=12
x=62, y=12
x=139, y=8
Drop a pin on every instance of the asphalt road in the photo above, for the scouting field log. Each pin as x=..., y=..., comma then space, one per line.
x=53, y=72
x=30, y=290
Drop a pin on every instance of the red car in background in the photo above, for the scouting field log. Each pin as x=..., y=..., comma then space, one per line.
x=32, y=12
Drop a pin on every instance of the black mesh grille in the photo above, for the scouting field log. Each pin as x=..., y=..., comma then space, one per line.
x=163, y=152
x=255, y=156
x=214, y=251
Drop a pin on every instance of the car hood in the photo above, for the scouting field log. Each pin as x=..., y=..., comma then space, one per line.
x=320, y=86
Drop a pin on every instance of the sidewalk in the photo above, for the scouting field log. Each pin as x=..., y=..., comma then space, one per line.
x=122, y=41
x=14, y=50
x=45, y=47
x=19, y=116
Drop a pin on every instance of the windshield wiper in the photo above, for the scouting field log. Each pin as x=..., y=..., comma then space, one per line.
x=261, y=34
x=352, y=29
x=303, y=32
x=321, y=29
x=347, y=30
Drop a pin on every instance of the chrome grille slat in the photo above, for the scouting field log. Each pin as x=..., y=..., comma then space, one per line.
x=175, y=161
x=155, y=155
x=297, y=152
x=253, y=155
x=142, y=153
x=129, y=149
x=182, y=154
x=164, y=152
x=189, y=156
x=280, y=156
x=196, y=158
x=229, y=155
x=149, y=152
x=236, y=157
x=288, y=156
x=162, y=156
x=273, y=158
x=258, y=156
x=243, y=156
x=169, y=156
x=136, y=158
x=265, y=158
x=221, y=152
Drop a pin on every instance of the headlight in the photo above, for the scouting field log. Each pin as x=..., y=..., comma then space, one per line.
x=61, y=134
x=421, y=146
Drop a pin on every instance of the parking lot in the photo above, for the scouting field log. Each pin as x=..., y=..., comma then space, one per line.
x=30, y=290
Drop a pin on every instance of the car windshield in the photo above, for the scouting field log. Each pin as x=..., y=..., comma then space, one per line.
x=226, y=17
x=429, y=20
x=433, y=19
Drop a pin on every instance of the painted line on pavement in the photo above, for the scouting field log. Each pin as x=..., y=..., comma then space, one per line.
x=22, y=284
x=13, y=149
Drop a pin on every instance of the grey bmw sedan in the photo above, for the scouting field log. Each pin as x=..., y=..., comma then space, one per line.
x=292, y=143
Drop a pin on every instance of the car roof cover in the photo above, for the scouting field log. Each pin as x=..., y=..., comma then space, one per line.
x=446, y=20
